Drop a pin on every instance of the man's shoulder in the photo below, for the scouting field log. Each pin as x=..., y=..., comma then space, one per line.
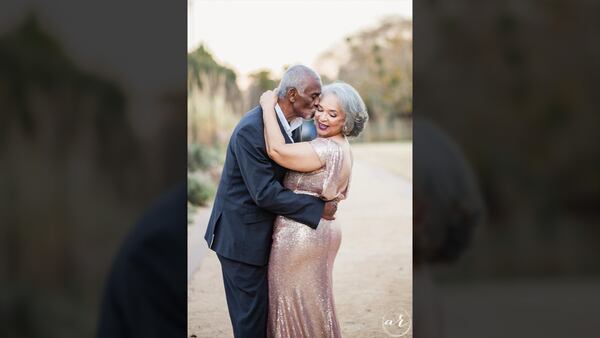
x=251, y=122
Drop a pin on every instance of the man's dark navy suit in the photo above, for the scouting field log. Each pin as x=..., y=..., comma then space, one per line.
x=240, y=229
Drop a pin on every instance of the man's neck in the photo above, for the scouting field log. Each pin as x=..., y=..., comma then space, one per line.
x=287, y=109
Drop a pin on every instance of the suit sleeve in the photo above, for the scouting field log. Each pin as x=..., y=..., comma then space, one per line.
x=266, y=191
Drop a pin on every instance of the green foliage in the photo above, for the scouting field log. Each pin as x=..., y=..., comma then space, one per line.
x=378, y=63
x=191, y=211
x=261, y=82
x=200, y=189
x=202, y=157
x=205, y=74
x=380, y=67
x=214, y=100
x=201, y=61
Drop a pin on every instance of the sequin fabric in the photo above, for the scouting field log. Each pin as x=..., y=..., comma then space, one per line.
x=301, y=300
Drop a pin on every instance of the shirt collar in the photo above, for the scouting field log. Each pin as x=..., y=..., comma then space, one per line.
x=288, y=127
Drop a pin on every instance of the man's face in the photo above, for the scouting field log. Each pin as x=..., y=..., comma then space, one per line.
x=305, y=103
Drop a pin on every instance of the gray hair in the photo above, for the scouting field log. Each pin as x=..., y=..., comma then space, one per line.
x=352, y=104
x=296, y=76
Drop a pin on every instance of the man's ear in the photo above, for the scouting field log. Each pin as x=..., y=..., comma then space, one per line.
x=292, y=94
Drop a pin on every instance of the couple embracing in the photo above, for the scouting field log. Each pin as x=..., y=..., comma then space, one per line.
x=272, y=224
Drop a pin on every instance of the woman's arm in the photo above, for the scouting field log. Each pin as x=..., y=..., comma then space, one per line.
x=295, y=156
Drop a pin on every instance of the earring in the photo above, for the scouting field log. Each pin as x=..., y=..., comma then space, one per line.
x=345, y=130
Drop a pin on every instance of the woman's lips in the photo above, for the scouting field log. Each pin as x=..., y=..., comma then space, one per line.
x=322, y=126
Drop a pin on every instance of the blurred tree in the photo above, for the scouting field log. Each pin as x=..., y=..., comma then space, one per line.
x=378, y=63
x=261, y=81
x=206, y=74
x=380, y=67
x=212, y=91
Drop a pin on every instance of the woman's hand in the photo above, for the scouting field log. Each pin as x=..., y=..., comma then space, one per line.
x=268, y=100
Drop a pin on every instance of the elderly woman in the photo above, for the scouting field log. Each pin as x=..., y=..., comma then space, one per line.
x=301, y=259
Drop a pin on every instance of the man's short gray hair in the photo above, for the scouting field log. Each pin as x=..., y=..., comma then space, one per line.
x=298, y=77
x=352, y=104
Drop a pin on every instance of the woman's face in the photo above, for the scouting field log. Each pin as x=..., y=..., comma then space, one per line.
x=329, y=118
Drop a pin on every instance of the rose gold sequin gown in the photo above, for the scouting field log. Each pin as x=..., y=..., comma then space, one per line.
x=301, y=261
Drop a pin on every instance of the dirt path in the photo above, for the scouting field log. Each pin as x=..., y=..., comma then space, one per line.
x=373, y=269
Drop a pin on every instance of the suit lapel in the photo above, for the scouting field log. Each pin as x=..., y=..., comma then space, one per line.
x=279, y=170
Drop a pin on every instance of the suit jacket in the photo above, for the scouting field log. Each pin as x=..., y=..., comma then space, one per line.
x=250, y=196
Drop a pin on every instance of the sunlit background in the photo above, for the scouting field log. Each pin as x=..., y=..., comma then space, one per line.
x=249, y=36
x=238, y=49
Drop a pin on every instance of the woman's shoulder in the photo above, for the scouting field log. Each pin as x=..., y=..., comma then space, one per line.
x=326, y=147
x=326, y=142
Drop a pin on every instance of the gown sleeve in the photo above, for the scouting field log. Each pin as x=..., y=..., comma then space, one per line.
x=332, y=155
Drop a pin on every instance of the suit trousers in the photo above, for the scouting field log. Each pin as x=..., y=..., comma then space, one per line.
x=247, y=293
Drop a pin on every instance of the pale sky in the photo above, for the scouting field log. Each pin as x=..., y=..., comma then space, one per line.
x=252, y=35
x=246, y=35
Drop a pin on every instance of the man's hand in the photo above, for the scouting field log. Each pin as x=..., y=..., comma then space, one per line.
x=330, y=210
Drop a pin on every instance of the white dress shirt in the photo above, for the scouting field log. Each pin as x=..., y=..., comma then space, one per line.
x=288, y=127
